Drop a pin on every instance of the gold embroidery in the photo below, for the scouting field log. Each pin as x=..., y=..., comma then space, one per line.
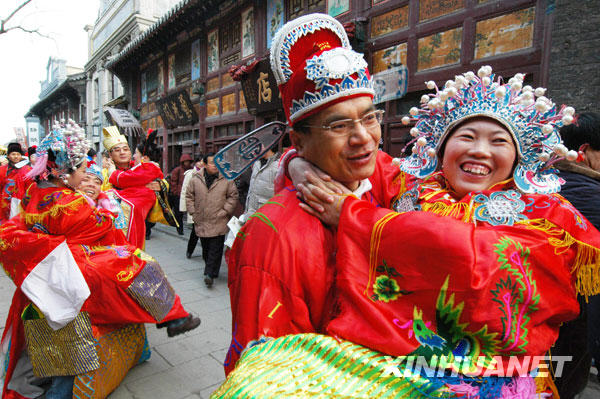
x=270, y=316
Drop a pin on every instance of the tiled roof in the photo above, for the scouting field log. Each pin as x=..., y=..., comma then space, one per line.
x=152, y=31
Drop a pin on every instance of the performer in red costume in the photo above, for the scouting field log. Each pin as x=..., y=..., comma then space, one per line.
x=281, y=265
x=134, y=183
x=77, y=279
x=13, y=182
x=487, y=268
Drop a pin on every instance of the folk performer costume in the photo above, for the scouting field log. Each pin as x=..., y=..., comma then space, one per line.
x=480, y=280
x=13, y=183
x=130, y=184
x=83, y=291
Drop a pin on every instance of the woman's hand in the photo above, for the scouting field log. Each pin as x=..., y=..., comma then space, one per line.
x=304, y=172
x=322, y=203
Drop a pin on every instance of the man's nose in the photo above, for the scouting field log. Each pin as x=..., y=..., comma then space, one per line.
x=359, y=134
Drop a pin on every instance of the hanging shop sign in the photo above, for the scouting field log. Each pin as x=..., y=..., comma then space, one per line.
x=260, y=89
x=126, y=122
x=177, y=110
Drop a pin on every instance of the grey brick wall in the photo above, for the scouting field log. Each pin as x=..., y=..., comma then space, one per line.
x=574, y=73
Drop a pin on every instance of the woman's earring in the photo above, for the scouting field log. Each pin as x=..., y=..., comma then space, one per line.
x=580, y=156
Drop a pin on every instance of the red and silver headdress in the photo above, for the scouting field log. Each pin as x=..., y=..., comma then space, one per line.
x=530, y=117
x=315, y=66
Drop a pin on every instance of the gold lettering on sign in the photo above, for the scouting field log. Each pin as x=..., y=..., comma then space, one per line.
x=184, y=107
x=264, y=91
x=176, y=110
x=167, y=111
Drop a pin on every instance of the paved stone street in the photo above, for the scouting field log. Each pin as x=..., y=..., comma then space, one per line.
x=190, y=365
x=187, y=366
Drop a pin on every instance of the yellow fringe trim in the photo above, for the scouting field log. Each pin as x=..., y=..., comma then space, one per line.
x=375, y=241
x=32, y=218
x=586, y=265
x=457, y=210
x=542, y=384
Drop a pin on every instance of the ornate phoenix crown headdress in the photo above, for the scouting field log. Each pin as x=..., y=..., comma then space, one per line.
x=69, y=147
x=530, y=117
x=315, y=66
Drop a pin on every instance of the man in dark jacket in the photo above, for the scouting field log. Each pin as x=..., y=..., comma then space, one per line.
x=580, y=338
x=175, y=183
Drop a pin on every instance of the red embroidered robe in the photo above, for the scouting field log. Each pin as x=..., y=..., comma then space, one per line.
x=281, y=268
x=494, y=274
x=127, y=285
x=131, y=185
x=13, y=184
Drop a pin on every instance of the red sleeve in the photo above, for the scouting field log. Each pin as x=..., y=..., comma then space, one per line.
x=23, y=182
x=400, y=272
x=385, y=180
x=139, y=175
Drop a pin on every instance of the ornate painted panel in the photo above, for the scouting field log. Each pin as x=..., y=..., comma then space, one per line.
x=389, y=57
x=171, y=71
x=509, y=32
x=389, y=22
x=337, y=7
x=212, y=107
x=229, y=103
x=242, y=100
x=429, y=9
x=227, y=80
x=275, y=19
x=248, y=32
x=144, y=88
x=213, y=50
x=439, y=49
x=161, y=77
x=195, y=59
x=212, y=84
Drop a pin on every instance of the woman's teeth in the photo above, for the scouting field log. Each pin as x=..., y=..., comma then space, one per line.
x=476, y=169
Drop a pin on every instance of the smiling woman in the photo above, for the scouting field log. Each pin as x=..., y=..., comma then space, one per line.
x=477, y=154
x=479, y=224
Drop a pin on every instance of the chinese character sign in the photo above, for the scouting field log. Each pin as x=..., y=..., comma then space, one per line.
x=260, y=89
x=264, y=91
x=177, y=110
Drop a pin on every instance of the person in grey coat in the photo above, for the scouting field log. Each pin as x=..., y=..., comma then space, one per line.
x=261, y=183
x=211, y=200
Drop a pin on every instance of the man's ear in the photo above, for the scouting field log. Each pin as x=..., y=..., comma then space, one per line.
x=298, y=141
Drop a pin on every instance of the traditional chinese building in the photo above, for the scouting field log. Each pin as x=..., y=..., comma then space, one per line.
x=62, y=96
x=118, y=23
x=177, y=73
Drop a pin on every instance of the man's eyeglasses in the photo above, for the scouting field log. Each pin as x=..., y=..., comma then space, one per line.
x=120, y=149
x=342, y=127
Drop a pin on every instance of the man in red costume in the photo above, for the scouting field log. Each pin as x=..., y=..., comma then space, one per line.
x=281, y=266
x=134, y=183
x=13, y=182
